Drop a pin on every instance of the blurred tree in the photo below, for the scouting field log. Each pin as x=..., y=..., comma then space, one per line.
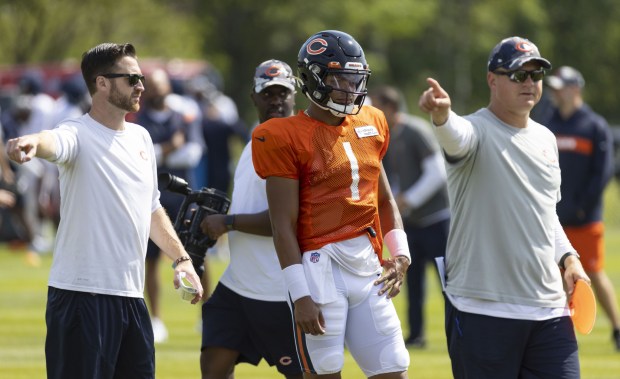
x=239, y=34
x=454, y=48
x=53, y=30
x=405, y=41
x=586, y=35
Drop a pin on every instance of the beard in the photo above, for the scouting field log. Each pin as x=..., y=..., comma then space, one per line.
x=121, y=101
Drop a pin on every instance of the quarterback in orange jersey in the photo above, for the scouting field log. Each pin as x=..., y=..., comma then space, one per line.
x=331, y=210
x=338, y=168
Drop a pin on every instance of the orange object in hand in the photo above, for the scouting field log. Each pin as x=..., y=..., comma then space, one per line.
x=582, y=306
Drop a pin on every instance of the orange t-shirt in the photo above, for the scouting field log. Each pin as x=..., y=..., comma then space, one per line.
x=337, y=168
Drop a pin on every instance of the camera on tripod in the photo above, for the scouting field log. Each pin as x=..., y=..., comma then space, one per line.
x=206, y=201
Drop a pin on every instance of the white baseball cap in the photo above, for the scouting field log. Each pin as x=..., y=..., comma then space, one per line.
x=273, y=72
x=565, y=76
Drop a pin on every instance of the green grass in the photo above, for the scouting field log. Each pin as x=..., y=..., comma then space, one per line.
x=22, y=323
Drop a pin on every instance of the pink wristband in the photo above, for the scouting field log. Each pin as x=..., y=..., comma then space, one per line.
x=396, y=242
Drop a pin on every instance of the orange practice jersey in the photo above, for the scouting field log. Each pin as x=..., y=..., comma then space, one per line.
x=337, y=167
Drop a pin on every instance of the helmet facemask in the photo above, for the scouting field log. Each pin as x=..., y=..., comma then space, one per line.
x=342, y=91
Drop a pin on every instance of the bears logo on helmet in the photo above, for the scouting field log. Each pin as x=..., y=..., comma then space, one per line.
x=312, y=51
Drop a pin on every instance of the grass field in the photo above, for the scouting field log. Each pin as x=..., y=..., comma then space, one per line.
x=22, y=323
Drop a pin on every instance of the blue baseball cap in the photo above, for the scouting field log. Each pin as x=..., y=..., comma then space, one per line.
x=513, y=52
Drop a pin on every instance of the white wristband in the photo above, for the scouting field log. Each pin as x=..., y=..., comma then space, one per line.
x=295, y=280
x=396, y=242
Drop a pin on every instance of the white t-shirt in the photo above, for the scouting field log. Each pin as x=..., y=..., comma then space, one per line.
x=108, y=189
x=254, y=270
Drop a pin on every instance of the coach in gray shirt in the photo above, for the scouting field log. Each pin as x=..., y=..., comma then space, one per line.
x=506, y=314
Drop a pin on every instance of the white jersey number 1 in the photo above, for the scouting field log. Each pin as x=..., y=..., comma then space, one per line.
x=355, y=171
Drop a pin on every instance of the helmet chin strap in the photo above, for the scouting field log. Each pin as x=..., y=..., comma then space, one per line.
x=336, y=109
x=340, y=110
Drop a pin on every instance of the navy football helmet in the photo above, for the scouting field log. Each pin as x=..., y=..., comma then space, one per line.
x=333, y=72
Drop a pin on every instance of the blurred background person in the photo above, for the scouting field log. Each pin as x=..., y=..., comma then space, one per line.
x=415, y=169
x=74, y=99
x=585, y=145
x=42, y=104
x=13, y=226
x=30, y=180
x=220, y=123
x=178, y=148
x=31, y=112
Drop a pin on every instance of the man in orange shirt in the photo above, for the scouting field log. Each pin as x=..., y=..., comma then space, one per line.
x=331, y=208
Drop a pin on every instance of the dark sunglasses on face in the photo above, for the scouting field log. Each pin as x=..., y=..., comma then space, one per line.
x=133, y=79
x=520, y=76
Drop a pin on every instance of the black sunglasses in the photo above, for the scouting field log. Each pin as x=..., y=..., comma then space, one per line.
x=520, y=76
x=133, y=79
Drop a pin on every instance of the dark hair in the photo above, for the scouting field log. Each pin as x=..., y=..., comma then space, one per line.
x=101, y=59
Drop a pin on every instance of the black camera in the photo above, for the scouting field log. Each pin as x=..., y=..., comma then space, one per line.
x=206, y=201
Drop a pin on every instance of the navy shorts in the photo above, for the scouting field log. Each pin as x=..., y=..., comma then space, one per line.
x=256, y=329
x=484, y=347
x=97, y=336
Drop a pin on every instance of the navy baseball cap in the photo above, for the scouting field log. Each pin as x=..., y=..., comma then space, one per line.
x=273, y=72
x=565, y=76
x=512, y=53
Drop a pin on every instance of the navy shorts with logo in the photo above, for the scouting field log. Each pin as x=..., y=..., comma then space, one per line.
x=256, y=329
x=97, y=336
